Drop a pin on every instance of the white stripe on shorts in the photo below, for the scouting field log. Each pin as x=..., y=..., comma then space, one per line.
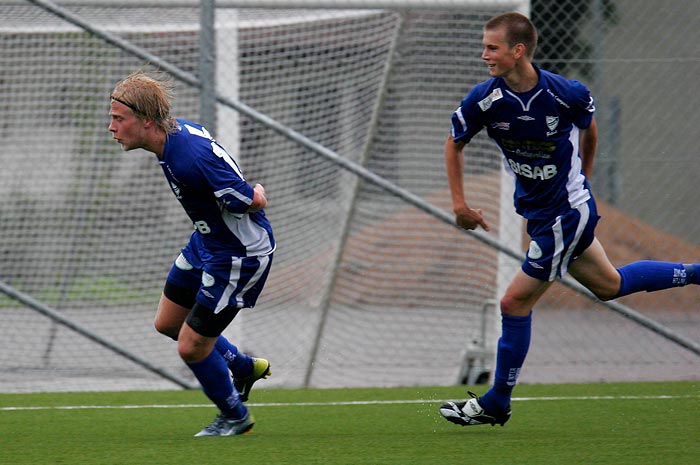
x=559, y=262
x=235, y=276
x=558, y=248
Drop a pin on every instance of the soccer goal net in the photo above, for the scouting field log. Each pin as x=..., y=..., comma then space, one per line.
x=366, y=289
x=340, y=109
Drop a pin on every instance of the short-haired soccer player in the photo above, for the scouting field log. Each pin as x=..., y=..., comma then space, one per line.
x=223, y=267
x=546, y=131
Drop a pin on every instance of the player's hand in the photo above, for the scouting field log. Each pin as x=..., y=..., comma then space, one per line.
x=469, y=218
x=259, y=199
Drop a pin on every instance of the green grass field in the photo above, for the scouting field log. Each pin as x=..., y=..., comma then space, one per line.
x=636, y=424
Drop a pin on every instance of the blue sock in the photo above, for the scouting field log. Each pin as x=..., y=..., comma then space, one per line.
x=240, y=364
x=212, y=373
x=650, y=276
x=512, y=349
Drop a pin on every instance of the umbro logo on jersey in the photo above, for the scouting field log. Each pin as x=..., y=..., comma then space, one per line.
x=207, y=294
x=526, y=118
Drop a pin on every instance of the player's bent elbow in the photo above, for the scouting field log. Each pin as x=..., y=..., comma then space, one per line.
x=259, y=200
x=257, y=206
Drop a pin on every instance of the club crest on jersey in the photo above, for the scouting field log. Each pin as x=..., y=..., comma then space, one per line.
x=486, y=103
x=552, y=123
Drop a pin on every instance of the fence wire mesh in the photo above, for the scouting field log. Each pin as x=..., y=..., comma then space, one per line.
x=91, y=231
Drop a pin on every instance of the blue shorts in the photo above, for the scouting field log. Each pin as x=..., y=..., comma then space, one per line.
x=555, y=244
x=220, y=280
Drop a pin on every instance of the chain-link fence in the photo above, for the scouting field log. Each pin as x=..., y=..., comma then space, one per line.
x=640, y=59
x=91, y=232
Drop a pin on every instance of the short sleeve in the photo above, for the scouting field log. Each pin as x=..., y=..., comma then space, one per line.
x=466, y=121
x=582, y=105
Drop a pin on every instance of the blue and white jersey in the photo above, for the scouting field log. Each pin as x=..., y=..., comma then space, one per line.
x=212, y=190
x=538, y=134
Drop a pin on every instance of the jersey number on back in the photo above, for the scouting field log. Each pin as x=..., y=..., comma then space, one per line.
x=216, y=148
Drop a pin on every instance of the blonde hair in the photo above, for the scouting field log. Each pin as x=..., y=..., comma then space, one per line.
x=149, y=97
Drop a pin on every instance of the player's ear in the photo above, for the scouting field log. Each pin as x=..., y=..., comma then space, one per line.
x=519, y=50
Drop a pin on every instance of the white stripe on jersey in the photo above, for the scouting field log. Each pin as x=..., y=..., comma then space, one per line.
x=461, y=119
x=574, y=184
x=220, y=193
x=253, y=236
x=525, y=106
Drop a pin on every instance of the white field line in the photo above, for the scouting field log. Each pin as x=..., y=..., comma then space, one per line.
x=331, y=404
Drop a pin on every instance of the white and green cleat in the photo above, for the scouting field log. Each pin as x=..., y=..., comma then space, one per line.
x=261, y=370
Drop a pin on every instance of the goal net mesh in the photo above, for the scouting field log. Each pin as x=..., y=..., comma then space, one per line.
x=365, y=289
x=374, y=290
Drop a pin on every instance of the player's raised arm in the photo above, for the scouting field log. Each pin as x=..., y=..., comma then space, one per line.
x=465, y=217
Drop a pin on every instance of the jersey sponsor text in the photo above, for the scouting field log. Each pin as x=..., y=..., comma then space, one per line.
x=533, y=172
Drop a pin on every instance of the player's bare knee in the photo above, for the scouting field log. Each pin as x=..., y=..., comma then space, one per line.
x=191, y=353
x=512, y=306
x=166, y=330
x=186, y=353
